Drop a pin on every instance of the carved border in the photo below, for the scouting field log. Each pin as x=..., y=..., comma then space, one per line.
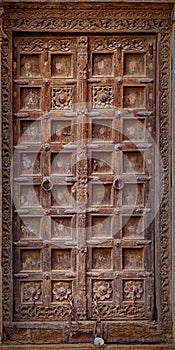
x=6, y=184
x=112, y=21
x=88, y=21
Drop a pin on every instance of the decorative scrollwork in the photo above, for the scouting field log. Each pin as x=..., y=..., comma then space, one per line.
x=41, y=312
x=33, y=45
x=115, y=43
x=129, y=310
x=79, y=20
x=62, y=98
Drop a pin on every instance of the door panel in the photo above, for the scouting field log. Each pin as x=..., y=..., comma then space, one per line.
x=84, y=170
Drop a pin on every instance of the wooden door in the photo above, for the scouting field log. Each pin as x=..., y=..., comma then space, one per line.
x=84, y=184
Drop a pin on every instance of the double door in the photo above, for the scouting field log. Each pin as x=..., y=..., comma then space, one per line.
x=84, y=206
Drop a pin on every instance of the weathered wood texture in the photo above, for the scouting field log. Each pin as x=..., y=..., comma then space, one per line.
x=83, y=256
x=90, y=346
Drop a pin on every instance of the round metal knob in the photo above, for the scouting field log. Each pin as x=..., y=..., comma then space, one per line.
x=119, y=80
x=47, y=82
x=47, y=184
x=118, y=183
x=103, y=97
x=46, y=147
x=62, y=98
x=46, y=115
x=98, y=342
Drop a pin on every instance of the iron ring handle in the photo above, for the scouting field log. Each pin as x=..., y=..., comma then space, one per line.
x=47, y=184
x=118, y=183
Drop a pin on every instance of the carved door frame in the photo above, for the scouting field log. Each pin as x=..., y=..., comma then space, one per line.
x=111, y=19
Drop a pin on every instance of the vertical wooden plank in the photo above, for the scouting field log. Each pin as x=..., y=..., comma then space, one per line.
x=82, y=173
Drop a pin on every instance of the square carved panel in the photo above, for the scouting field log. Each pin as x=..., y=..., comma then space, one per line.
x=101, y=226
x=133, y=129
x=30, y=196
x=134, y=97
x=103, y=96
x=133, y=290
x=133, y=259
x=61, y=131
x=101, y=195
x=133, y=194
x=61, y=227
x=30, y=259
x=102, y=130
x=102, y=162
x=133, y=227
x=30, y=228
x=30, y=98
x=101, y=258
x=61, y=163
x=102, y=290
x=61, y=291
x=134, y=64
x=102, y=64
x=133, y=162
x=31, y=292
x=61, y=259
x=30, y=131
x=61, y=196
x=62, y=98
x=62, y=65
x=30, y=65
x=30, y=163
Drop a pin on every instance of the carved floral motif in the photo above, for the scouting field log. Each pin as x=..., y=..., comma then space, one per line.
x=31, y=292
x=102, y=290
x=61, y=98
x=133, y=290
x=61, y=291
x=103, y=97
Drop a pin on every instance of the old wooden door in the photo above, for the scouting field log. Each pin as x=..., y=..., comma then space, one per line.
x=83, y=183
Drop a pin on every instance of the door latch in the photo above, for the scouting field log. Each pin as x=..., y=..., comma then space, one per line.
x=98, y=327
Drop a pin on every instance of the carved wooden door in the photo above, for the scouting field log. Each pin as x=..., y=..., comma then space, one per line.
x=83, y=183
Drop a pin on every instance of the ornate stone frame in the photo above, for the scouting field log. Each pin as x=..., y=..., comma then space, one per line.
x=106, y=18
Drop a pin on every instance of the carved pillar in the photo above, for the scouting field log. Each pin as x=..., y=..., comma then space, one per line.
x=82, y=171
x=1, y=36
x=173, y=168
